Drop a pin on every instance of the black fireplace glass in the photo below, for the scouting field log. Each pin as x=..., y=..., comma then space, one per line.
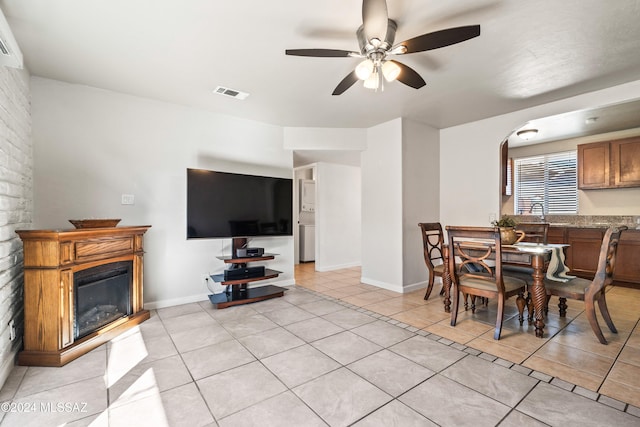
x=102, y=295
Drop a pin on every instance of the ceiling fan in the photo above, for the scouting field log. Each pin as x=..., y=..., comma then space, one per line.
x=376, y=36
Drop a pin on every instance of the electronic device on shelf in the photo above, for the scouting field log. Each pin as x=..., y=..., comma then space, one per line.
x=249, y=252
x=244, y=273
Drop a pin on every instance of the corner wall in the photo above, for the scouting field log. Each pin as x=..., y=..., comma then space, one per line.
x=420, y=195
x=16, y=205
x=400, y=188
x=382, y=238
x=92, y=146
x=338, y=216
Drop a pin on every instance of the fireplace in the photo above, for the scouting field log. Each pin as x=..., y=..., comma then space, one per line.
x=102, y=295
x=82, y=287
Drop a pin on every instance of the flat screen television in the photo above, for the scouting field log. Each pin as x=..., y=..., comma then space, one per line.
x=227, y=205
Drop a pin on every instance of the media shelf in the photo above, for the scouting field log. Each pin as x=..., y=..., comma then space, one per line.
x=268, y=274
x=263, y=257
x=237, y=291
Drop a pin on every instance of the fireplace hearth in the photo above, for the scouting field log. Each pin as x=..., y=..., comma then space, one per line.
x=82, y=287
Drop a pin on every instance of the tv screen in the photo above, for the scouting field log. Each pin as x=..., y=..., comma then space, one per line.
x=222, y=205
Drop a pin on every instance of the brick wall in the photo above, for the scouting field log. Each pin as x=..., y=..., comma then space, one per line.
x=16, y=205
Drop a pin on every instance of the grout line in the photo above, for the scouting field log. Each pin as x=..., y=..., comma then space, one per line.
x=556, y=382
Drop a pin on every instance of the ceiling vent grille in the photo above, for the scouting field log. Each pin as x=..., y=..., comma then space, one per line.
x=225, y=91
x=10, y=55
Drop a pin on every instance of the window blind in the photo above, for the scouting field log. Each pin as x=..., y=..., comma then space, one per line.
x=549, y=181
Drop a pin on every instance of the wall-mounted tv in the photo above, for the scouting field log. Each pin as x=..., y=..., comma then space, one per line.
x=224, y=205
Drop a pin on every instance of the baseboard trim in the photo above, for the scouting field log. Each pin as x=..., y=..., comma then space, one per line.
x=336, y=267
x=9, y=364
x=395, y=288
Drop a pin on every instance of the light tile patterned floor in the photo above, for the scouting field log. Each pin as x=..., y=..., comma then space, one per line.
x=569, y=351
x=316, y=358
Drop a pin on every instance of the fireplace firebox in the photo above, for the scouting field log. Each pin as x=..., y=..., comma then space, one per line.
x=102, y=295
x=82, y=287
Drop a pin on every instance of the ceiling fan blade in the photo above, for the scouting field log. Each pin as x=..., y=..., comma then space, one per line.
x=346, y=83
x=375, y=19
x=442, y=38
x=409, y=76
x=322, y=53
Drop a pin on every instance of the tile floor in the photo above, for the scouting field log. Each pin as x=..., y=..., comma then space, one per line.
x=336, y=352
x=569, y=350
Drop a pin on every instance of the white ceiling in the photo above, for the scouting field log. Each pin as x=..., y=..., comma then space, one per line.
x=528, y=53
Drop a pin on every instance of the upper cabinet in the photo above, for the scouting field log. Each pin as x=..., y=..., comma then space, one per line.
x=609, y=164
x=625, y=162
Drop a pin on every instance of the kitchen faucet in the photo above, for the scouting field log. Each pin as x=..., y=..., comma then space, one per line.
x=533, y=205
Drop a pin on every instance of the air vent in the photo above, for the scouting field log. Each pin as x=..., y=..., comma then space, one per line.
x=230, y=92
x=10, y=54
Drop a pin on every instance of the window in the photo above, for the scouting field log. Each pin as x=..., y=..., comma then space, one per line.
x=548, y=181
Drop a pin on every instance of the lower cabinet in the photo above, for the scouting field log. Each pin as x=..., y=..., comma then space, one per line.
x=557, y=235
x=628, y=258
x=584, y=250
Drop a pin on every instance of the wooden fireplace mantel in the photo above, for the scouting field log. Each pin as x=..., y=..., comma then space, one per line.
x=51, y=257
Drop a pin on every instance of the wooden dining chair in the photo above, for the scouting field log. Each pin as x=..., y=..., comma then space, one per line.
x=478, y=271
x=591, y=291
x=432, y=240
x=534, y=232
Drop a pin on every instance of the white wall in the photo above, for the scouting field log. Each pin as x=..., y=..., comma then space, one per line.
x=338, y=216
x=470, y=155
x=420, y=194
x=16, y=205
x=381, y=169
x=92, y=146
x=337, y=139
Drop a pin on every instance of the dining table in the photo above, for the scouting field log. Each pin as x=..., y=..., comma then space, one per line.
x=535, y=256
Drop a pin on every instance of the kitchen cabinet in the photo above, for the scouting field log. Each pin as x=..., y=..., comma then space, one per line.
x=593, y=165
x=609, y=164
x=628, y=258
x=625, y=162
x=584, y=250
x=556, y=235
x=506, y=170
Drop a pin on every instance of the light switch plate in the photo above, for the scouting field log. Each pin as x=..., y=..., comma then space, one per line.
x=128, y=199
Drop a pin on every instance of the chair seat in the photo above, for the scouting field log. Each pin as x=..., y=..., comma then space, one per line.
x=438, y=269
x=574, y=288
x=511, y=284
x=523, y=273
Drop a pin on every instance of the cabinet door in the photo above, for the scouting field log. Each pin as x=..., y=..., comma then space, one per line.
x=625, y=161
x=627, y=268
x=593, y=165
x=584, y=250
x=556, y=235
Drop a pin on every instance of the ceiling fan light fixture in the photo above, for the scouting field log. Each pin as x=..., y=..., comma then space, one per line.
x=373, y=81
x=364, y=69
x=527, y=134
x=390, y=70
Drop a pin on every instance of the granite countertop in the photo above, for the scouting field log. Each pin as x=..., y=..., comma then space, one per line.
x=584, y=221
